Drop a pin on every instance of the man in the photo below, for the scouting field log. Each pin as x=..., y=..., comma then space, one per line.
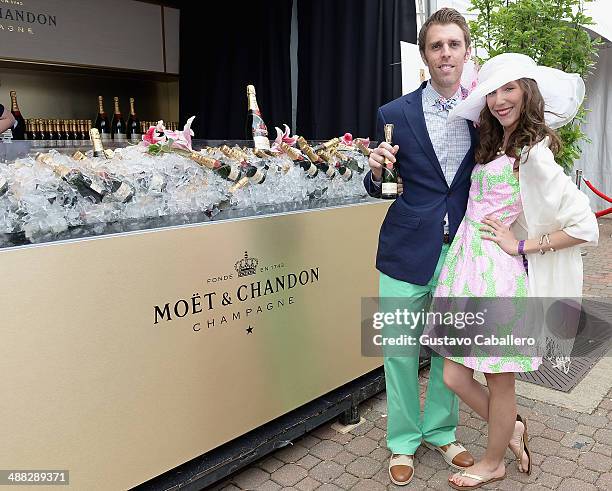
x=435, y=161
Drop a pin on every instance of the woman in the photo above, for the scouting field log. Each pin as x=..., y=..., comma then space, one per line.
x=515, y=182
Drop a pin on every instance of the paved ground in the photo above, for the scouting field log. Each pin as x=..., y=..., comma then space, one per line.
x=571, y=450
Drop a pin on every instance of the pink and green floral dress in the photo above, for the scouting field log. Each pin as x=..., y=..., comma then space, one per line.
x=480, y=268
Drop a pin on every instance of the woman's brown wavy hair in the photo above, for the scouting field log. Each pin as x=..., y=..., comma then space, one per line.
x=530, y=130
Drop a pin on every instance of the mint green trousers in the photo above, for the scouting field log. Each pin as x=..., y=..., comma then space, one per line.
x=405, y=426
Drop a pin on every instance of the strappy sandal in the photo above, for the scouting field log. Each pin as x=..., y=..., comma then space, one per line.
x=481, y=481
x=524, y=444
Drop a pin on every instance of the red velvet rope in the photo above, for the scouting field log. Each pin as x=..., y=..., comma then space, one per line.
x=603, y=212
x=601, y=195
x=597, y=192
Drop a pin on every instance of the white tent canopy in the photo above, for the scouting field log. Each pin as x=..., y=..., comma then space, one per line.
x=596, y=160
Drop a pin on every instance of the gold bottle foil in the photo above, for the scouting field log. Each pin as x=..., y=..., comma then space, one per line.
x=14, y=105
x=230, y=153
x=60, y=170
x=389, y=139
x=44, y=158
x=339, y=155
x=240, y=184
x=304, y=147
x=389, y=133
x=331, y=143
x=236, y=154
x=363, y=149
x=325, y=156
x=94, y=135
x=252, y=99
x=78, y=155
x=203, y=160
x=301, y=142
x=293, y=153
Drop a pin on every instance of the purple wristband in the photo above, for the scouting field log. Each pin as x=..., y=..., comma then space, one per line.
x=521, y=251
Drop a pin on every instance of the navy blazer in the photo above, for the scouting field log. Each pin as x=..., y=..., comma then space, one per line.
x=411, y=235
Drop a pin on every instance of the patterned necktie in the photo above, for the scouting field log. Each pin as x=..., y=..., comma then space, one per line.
x=444, y=104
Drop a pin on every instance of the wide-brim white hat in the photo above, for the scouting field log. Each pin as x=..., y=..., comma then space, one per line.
x=562, y=92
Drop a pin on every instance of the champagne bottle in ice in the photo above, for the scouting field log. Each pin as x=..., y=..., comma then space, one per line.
x=326, y=164
x=226, y=171
x=82, y=183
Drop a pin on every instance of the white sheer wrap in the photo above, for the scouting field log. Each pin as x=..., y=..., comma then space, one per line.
x=551, y=202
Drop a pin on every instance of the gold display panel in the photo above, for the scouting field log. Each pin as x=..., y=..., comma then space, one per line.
x=125, y=356
x=122, y=34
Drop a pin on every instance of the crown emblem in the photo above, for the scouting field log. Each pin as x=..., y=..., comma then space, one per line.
x=246, y=266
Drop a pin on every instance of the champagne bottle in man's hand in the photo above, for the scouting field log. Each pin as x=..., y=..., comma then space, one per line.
x=389, y=172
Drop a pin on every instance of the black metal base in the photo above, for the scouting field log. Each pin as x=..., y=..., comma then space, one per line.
x=350, y=416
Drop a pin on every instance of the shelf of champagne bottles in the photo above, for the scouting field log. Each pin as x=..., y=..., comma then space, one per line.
x=73, y=132
x=57, y=132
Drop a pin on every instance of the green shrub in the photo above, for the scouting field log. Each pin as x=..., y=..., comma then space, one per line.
x=553, y=33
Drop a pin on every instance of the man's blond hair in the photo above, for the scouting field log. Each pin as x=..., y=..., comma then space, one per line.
x=444, y=16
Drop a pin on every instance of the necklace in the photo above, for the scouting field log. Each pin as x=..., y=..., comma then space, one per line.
x=500, y=151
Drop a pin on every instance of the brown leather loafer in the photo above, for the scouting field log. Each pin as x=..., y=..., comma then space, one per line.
x=401, y=469
x=454, y=454
x=463, y=459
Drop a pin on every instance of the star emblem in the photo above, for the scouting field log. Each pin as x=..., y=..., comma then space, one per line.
x=249, y=330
